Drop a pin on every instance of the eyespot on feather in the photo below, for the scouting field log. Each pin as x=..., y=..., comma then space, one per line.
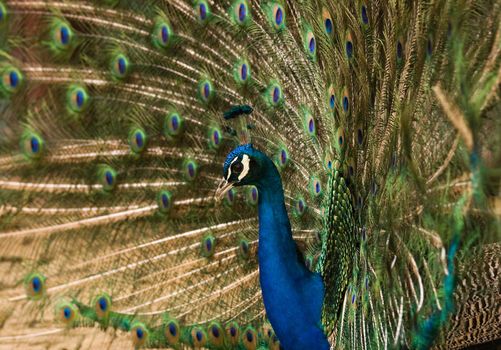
x=327, y=22
x=173, y=125
x=102, y=306
x=190, y=169
x=32, y=145
x=67, y=313
x=137, y=140
x=172, y=331
x=198, y=337
x=34, y=284
x=77, y=99
x=276, y=16
x=233, y=333
x=12, y=80
x=202, y=11
x=240, y=12
x=162, y=33
x=139, y=334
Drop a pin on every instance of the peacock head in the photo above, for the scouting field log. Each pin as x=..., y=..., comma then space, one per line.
x=243, y=166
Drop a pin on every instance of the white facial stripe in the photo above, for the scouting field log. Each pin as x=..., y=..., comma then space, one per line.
x=245, y=163
x=229, y=169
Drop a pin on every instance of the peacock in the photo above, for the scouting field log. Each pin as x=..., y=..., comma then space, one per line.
x=237, y=174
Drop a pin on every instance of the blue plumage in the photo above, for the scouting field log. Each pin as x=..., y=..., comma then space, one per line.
x=292, y=295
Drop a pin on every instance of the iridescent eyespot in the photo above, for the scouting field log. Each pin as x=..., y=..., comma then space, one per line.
x=62, y=35
x=198, y=337
x=173, y=125
x=107, y=177
x=349, y=46
x=364, y=16
x=309, y=123
x=252, y=195
x=137, y=140
x=67, y=313
x=208, y=246
x=215, y=137
x=3, y=14
x=233, y=333
x=328, y=163
x=277, y=16
x=205, y=90
x=346, y=100
x=32, y=145
x=202, y=11
x=315, y=186
x=328, y=23
x=164, y=201
x=77, y=98
x=12, y=79
x=120, y=66
x=190, y=170
x=139, y=334
x=249, y=338
x=283, y=157
x=229, y=198
x=244, y=249
x=242, y=72
x=310, y=43
x=162, y=33
x=172, y=331
x=216, y=334
x=331, y=98
x=34, y=285
x=274, y=96
x=240, y=12
x=300, y=206
x=340, y=138
x=102, y=306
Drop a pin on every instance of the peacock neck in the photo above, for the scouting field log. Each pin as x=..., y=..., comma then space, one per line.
x=292, y=295
x=276, y=245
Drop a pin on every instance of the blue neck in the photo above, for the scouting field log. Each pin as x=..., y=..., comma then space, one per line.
x=292, y=295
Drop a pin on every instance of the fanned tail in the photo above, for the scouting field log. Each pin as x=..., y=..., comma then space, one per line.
x=380, y=116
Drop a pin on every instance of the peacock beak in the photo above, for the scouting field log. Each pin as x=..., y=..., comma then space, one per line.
x=224, y=186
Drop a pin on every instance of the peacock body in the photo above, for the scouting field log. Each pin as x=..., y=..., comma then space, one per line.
x=359, y=145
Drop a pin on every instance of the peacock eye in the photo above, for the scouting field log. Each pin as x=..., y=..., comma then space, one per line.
x=237, y=167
